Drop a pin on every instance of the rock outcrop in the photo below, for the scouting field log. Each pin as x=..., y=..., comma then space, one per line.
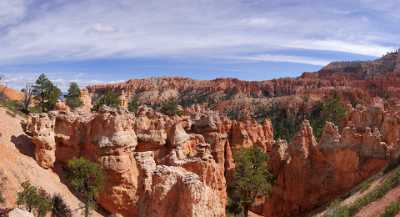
x=19, y=213
x=309, y=174
x=136, y=166
x=162, y=165
x=41, y=128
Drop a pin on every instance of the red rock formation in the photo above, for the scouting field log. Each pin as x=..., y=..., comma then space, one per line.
x=41, y=128
x=310, y=174
x=173, y=160
x=108, y=137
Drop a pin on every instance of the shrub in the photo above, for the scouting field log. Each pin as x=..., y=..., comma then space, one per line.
x=170, y=107
x=44, y=203
x=285, y=121
x=34, y=199
x=110, y=99
x=329, y=110
x=59, y=208
x=350, y=210
x=28, y=197
x=392, y=210
x=86, y=179
x=133, y=105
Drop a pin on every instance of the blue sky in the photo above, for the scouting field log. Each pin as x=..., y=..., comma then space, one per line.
x=97, y=41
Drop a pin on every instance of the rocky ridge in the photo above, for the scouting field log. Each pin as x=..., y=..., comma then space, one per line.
x=150, y=157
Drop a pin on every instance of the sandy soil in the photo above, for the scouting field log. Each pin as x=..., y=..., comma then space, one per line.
x=376, y=208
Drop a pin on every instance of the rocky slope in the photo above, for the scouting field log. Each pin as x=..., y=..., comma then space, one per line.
x=17, y=166
x=374, y=205
x=160, y=165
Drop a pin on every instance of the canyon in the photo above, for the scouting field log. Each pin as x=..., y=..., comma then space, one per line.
x=163, y=166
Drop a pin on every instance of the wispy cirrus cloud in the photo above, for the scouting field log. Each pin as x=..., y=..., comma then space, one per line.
x=69, y=30
x=291, y=31
x=285, y=58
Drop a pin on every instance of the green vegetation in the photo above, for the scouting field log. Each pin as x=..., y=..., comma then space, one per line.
x=392, y=210
x=60, y=209
x=250, y=179
x=133, y=105
x=171, y=107
x=110, y=99
x=87, y=180
x=235, y=113
x=329, y=110
x=73, y=98
x=45, y=93
x=35, y=200
x=286, y=121
x=392, y=165
x=377, y=193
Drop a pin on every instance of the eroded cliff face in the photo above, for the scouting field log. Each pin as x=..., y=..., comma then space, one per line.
x=159, y=165
x=168, y=171
x=311, y=173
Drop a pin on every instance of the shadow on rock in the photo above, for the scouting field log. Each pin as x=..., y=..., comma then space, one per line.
x=24, y=144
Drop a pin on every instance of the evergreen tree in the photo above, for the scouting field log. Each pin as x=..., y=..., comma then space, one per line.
x=34, y=199
x=44, y=203
x=46, y=93
x=73, y=98
x=171, y=107
x=110, y=99
x=133, y=105
x=331, y=110
x=86, y=179
x=251, y=179
x=28, y=197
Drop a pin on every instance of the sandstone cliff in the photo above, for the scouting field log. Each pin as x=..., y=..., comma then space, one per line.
x=150, y=157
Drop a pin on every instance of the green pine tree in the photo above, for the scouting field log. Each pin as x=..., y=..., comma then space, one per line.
x=46, y=93
x=34, y=199
x=73, y=98
x=87, y=180
x=251, y=178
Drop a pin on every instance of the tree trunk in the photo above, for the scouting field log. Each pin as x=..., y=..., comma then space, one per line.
x=87, y=209
x=246, y=211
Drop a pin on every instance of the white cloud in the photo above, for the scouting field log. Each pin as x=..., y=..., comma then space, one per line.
x=286, y=58
x=87, y=29
x=18, y=80
x=342, y=46
x=11, y=11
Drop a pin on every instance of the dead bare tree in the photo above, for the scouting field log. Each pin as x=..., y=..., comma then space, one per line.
x=28, y=95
